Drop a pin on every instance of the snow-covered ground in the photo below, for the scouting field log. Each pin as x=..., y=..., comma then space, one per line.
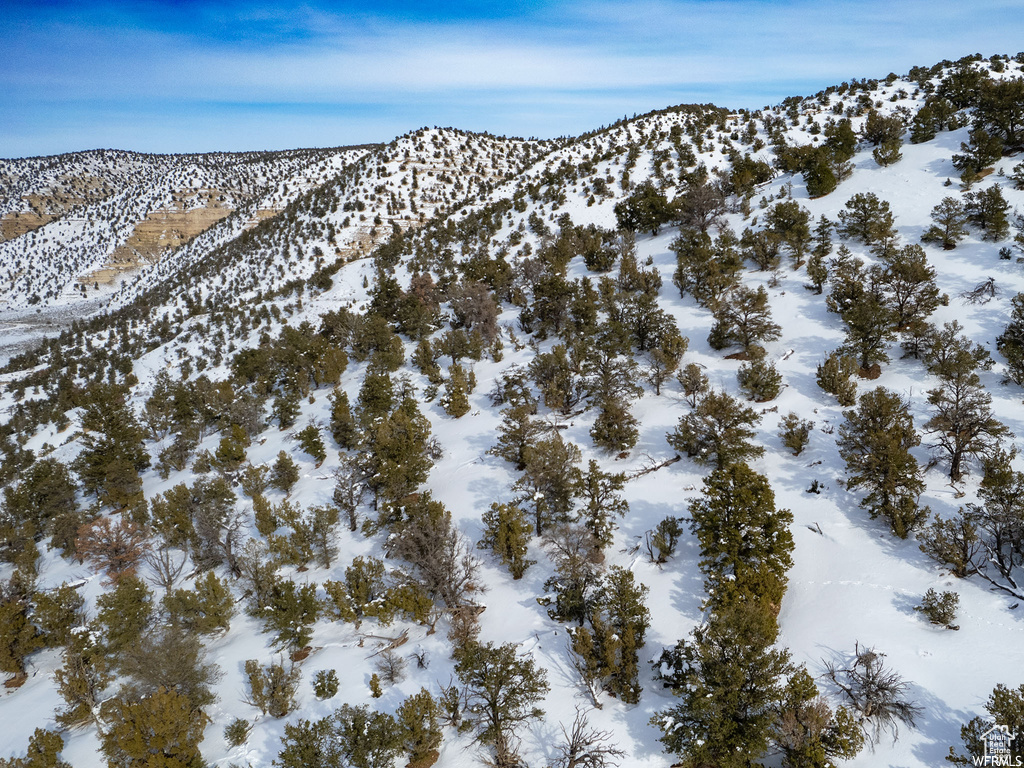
x=851, y=581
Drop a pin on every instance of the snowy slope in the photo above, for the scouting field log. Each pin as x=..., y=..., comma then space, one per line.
x=851, y=579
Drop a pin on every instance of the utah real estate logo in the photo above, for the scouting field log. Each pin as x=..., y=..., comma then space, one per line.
x=998, y=744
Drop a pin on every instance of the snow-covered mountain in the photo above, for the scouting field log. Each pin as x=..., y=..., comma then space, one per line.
x=250, y=278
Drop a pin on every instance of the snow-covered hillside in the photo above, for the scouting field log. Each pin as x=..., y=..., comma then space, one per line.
x=391, y=274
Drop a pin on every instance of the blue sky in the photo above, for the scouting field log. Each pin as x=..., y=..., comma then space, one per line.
x=200, y=75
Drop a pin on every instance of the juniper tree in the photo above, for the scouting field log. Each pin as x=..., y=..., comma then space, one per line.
x=502, y=689
x=795, y=432
x=728, y=679
x=507, y=534
x=717, y=431
x=962, y=422
x=808, y=732
x=744, y=317
x=112, y=453
x=1010, y=343
x=163, y=729
x=875, y=442
x=549, y=476
x=44, y=496
x=601, y=495
x=745, y=541
x=950, y=217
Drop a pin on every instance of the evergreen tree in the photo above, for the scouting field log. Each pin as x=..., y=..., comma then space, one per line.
x=516, y=434
x=45, y=497
x=19, y=637
x=791, y=223
x=718, y=430
x=206, y=609
x=988, y=209
x=950, y=217
x=112, y=453
x=502, y=690
x=910, y=285
x=728, y=678
x=1005, y=707
x=285, y=472
x=43, y=749
x=867, y=219
x=963, y=424
x=398, y=453
x=507, y=534
x=456, y=392
x=615, y=428
x=745, y=542
x=549, y=477
x=172, y=659
x=311, y=443
x=344, y=428
x=162, y=729
x=418, y=718
x=875, y=442
x=808, y=732
x=745, y=318
x=1010, y=342
x=758, y=378
x=601, y=494
x=835, y=377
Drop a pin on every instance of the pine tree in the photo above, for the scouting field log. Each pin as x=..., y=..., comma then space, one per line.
x=808, y=732
x=285, y=472
x=1005, y=707
x=19, y=637
x=311, y=442
x=963, y=423
x=875, y=442
x=206, y=609
x=418, y=718
x=344, y=428
x=718, y=430
x=502, y=690
x=124, y=614
x=1010, y=342
x=615, y=428
x=950, y=217
x=507, y=533
x=456, y=392
x=910, y=285
x=728, y=678
x=744, y=318
x=835, y=377
x=548, y=479
x=516, y=433
x=43, y=749
x=795, y=432
x=601, y=493
x=746, y=545
x=867, y=219
x=162, y=729
x=112, y=453
x=758, y=378
x=988, y=209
